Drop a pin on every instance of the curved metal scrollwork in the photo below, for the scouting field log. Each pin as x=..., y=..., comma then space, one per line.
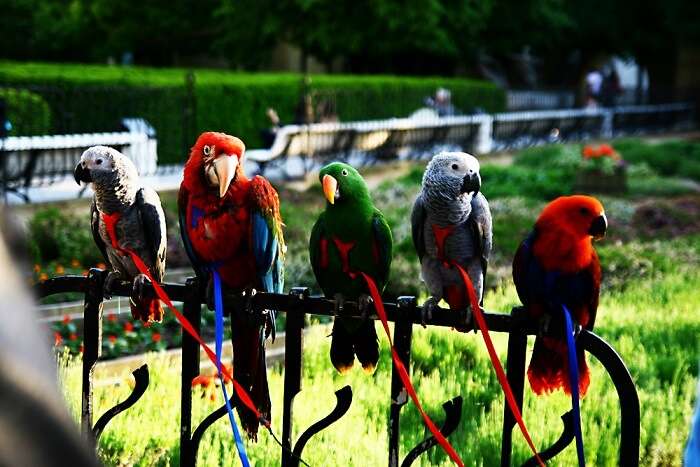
x=343, y=400
x=566, y=437
x=142, y=379
x=453, y=414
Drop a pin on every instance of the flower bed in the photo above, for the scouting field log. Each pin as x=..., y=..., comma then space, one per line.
x=603, y=171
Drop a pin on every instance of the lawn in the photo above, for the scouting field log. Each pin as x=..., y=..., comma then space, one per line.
x=648, y=312
x=654, y=325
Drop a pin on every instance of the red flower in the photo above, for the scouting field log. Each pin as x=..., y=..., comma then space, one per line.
x=156, y=337
x=203, y=381
x=66, y=319
x=112, y=338
x=128, y=327
x=73, y=336
x=588, y=151
x=112, y=317
x=57, y=339
x=605, y=150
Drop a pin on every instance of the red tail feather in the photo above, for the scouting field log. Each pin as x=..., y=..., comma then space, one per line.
x=549, y=368
x=148, y=310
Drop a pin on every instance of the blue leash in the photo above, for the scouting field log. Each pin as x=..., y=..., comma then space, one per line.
x=573, y=377
x=219, y=340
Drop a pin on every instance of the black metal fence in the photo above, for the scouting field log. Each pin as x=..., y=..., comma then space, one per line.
x=404, y=313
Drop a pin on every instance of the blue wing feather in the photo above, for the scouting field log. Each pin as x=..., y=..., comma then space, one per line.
x=267, y=255
x=536, y=284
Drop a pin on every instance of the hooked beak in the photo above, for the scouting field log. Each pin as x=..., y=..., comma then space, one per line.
x=81, y=173
x=225, y=170
x=471, y=182
x=330, y=188
x=598, y=227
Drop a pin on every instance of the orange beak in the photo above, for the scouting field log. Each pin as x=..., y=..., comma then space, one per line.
x=330, y=185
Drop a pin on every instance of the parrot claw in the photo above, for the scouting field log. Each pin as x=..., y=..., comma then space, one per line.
x=364, y=302
x=113, y=277
x=339, y=304
x=426, y=313
x=270, y=324
x=209, y=294
x=248, y=295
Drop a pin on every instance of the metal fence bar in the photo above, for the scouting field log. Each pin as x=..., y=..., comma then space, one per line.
x=297, y=304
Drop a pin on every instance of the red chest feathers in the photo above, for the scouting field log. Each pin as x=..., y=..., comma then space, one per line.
x=218, y=231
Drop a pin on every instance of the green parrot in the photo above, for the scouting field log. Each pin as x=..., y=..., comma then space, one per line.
x=350, y=235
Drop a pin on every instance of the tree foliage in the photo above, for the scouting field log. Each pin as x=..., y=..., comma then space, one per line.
x=396, y=36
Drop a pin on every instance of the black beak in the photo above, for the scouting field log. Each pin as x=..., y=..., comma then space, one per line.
x=471, y=182
x=81, y=174
x=598, y=227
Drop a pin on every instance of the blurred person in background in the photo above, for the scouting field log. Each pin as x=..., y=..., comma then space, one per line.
x=594, y=83
x=610, y=88
x=442, y=103
x=270, y=133
x=35, y=427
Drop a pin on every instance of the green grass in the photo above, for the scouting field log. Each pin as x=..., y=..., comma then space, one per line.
x=653, y=324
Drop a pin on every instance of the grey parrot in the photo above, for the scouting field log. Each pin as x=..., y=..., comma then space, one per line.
x=451, y=221
x=138, y=219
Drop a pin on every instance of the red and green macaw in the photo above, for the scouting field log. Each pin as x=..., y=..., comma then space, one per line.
x=232, y=224
x=557, y=265
x=350, y=235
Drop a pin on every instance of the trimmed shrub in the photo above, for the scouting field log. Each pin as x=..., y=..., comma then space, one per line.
x=28, y=112
x=95, y=98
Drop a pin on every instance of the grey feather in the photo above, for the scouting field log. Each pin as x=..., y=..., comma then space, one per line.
x=417, y=221
x=155, y=235
x=95, y=228
x=141, y=225
x=442, y=202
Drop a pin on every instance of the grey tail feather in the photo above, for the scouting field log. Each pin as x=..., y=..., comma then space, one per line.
x=367, y=345
x=342, y=355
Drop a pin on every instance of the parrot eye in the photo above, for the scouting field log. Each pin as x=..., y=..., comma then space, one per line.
x=584, y=211
x=344, y=172
x=98, y=161
x=206, y=150
x=455, y=167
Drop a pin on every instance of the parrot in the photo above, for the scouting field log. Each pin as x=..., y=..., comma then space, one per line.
x=233, y=224
x=557, y=265
x=349, y=236
x=135, y=216
x=451, y=221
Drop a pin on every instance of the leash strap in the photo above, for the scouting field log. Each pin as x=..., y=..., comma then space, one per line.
x=219, y=341
x=573, y=377
x=110, y=223
x=502, y=379
x=403, y=374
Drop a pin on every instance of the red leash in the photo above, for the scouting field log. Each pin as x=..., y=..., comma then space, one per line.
x=403, y=374
x=110, y=221
x=502, y=379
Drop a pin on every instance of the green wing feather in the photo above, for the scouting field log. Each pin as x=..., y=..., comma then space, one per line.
x=384, y=243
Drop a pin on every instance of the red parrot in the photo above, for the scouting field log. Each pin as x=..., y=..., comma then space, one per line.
x=232, y=224
x=557, y=265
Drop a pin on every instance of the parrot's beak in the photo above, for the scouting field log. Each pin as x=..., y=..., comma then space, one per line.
x=225, y=170
x=598, y=227
x=330, y=188
x=471, y=182
x=82, y=174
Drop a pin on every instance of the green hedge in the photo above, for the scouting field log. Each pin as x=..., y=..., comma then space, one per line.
x=28, y=112
x=92, y=98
